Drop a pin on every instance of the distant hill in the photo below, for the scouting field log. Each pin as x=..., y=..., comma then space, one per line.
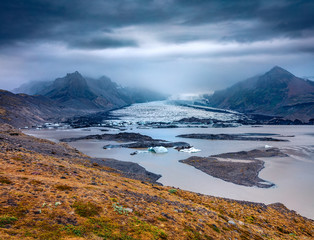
x=72, y=95
x=23, y=110
x=275, y=93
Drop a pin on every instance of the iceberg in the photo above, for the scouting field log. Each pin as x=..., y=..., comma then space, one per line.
x=190, y=150
x=160, y=149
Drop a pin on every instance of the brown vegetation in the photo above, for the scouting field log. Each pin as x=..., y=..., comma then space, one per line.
x=45, y=195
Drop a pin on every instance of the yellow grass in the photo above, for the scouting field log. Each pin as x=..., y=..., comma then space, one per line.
x=43, y=193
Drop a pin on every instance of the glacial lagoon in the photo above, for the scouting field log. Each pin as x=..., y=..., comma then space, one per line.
x=293, y=175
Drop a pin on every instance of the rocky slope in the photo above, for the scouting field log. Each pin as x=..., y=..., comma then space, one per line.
x=276, y=93
x=23, y=110
x=51, y=191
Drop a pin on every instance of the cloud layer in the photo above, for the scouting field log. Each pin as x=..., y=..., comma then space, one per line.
x=179, y=45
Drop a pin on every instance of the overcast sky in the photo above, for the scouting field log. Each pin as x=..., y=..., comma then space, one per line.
x=181, y=46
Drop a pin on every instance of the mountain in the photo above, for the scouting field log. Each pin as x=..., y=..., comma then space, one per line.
x=71, y=91
x=21, y=110
x=76, y=91
x=275, y=93
x=107, y=90
x=66, y=97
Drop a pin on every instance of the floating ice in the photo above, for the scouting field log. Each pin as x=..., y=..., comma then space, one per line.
x=137, y=152
x=160, y=149
x=190, y=150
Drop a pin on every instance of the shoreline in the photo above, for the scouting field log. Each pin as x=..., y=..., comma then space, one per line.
x=213, y=191
x=245, y=202
x=240, y=168
x=55, y=192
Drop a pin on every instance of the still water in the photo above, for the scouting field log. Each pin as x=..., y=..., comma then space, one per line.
x=293, y=175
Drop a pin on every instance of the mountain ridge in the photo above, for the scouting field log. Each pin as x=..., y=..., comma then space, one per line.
x=102, y=91
x=66, y=97
x=275, y=93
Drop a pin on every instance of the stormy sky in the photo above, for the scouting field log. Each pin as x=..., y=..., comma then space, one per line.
x=179, y=46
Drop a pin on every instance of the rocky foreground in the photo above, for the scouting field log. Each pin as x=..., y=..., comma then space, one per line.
x=52, y=191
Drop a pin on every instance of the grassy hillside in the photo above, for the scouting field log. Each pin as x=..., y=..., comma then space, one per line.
x=52, y=191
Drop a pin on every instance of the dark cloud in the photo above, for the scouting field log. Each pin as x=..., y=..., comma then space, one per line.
x=291, y=17
x=201, y=12
x=66, y=20
x=61, y=20
x=102, y=43
x=214, y=42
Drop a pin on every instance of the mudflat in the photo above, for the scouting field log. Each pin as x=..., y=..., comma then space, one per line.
x=238, y=137
x=134, y=140
x=237, y=167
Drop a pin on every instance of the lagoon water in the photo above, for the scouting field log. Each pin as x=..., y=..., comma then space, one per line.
x=293, y=175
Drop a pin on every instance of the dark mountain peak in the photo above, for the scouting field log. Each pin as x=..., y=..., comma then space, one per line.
x=74, y=79
x=276, y=71
x=72, y=86
x=277, y=68
x=276, y=78
x=76, y=73
x=75, y=76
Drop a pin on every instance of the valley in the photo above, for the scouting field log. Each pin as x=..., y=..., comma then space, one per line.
x=155, y=120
